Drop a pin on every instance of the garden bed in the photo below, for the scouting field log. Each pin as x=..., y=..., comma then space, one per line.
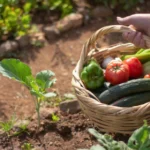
x=60, y=55
x=69, y=133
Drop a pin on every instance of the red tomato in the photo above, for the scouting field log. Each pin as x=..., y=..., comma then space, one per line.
x=147, y=76
x=117, y=72
x=135, y=67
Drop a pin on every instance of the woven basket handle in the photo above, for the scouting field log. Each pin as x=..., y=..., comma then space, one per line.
x=90, y=44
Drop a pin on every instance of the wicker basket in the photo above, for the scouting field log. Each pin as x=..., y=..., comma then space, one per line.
x=108, y=118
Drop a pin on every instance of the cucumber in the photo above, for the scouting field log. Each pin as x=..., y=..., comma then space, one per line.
x=133, y=100
x=124, y=89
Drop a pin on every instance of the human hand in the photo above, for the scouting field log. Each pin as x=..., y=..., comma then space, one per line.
x=141, y=23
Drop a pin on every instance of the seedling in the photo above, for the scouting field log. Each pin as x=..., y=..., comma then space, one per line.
x=55, y=118
x=21, y=72
x=26, y=146
x=22, y=128
x=8, y=125
x=37, y=43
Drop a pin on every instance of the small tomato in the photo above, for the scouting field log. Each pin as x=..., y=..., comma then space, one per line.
x=135, y=67
x=147, y=76
x=117, y=72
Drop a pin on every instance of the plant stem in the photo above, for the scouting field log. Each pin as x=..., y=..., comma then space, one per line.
x=38, y=112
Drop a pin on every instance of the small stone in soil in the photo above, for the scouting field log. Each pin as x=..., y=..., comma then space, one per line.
x=45, y=113
x=23, y=41
x=51, y=32
x=73, y=20
x=8, y=46
x=70, y=106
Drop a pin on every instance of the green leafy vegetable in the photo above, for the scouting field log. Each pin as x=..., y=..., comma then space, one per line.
x=107, y=141
x=140, y=139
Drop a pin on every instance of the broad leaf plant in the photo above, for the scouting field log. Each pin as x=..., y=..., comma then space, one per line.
x=21, y=72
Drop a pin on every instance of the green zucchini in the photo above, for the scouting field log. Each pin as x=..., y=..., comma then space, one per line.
x=133, y=100
x=124, y=89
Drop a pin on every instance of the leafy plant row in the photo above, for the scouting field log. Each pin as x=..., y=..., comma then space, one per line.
x=15, y=15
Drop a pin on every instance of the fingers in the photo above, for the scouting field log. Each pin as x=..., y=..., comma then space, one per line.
x=132, y=27
x=135, y=37
x=130, y=36
x=138, y=40
x=124, y=21
x=140, y=21
x=142, y=44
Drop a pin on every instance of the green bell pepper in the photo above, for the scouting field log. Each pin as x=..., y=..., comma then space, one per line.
x=92, y=75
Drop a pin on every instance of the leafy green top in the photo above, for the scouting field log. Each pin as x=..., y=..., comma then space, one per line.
x=139, y=140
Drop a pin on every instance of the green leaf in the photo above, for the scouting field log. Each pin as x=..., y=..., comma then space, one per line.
x=26, y=19
x=27, y=7
x=43, y=79
x=55, y=117
x=140, y=138
x=38, y=94
x=107, y=141
x=15, y=69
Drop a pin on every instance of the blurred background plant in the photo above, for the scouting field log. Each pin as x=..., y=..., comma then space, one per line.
x=14, y=20
x=16, y=15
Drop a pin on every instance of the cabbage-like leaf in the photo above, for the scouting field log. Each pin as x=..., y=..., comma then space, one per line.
x=140, y=139
x=44, y=80
x=15, y=69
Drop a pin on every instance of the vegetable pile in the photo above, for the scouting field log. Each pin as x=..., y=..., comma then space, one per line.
x=123, y=82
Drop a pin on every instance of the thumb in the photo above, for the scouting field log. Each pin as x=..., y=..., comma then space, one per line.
x=124, y=21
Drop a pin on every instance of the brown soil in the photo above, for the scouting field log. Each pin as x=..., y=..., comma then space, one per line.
x=69, y=133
